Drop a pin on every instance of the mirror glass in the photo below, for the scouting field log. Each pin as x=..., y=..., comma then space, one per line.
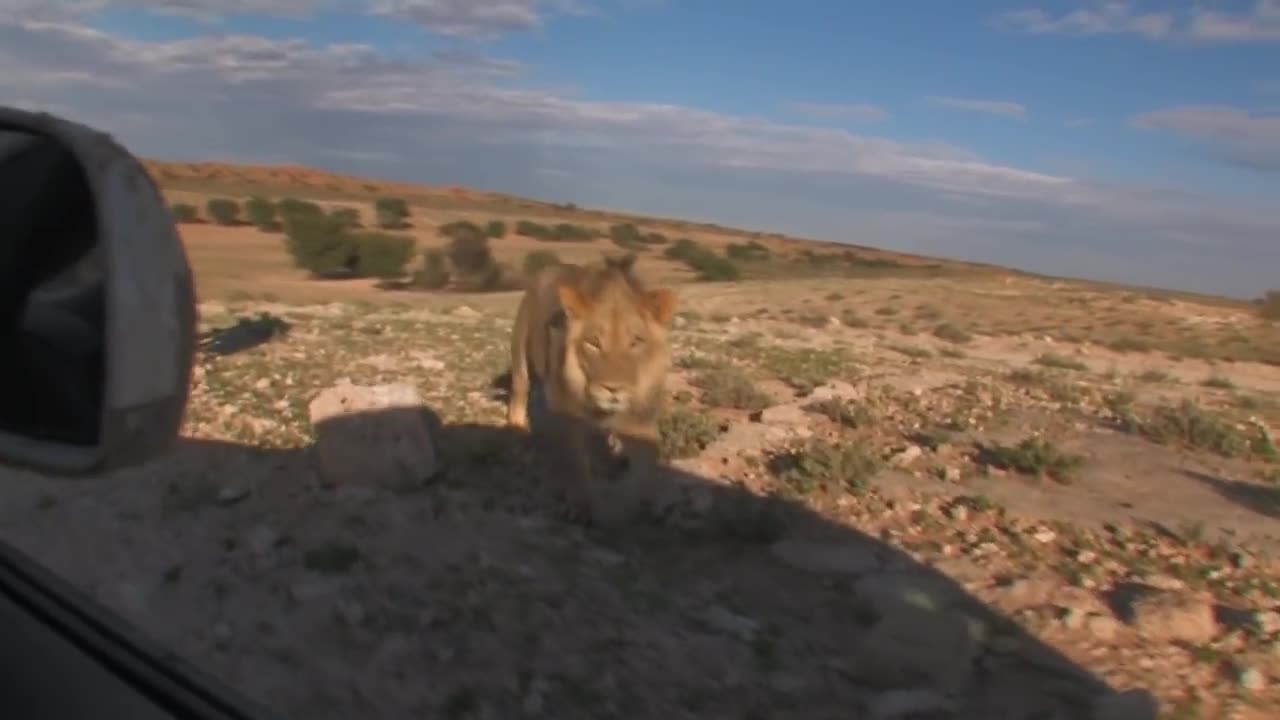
x=52, y=294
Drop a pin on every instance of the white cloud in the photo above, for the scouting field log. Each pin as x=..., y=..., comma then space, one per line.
x=1213, y=121
x=862, y=112
x=468, y=118
x=1258, y=23
x=1002, y=108
x=478, y=19
x=1236, y=136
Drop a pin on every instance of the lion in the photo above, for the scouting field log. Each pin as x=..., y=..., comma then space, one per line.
x=596, y=340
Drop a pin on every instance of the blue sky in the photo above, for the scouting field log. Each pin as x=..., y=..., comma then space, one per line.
x=1136, y=141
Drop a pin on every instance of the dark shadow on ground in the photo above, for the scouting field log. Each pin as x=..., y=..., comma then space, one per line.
x=464, y=594
x=246, y=334
x=1261, y=499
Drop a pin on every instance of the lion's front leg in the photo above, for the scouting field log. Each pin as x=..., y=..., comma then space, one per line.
x=640, y=447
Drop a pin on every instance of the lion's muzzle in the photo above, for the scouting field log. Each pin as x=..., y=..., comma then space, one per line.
x=609, y=398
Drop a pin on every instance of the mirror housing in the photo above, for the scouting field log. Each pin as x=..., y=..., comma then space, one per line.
x=97, y=303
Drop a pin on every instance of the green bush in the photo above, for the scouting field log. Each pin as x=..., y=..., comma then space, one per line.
x=381, y=255
x=1269, y=305
x=349, y=217
x=624, y=234
x=223, y=211
x=709, y=266
x=531, y=229
x=496, y=229
x=293, y=207
x=462, y=228
x=390, y=212
x=434, y=273
x=539, y=259
x=184, y=213
x=261, y=213
x=320, y=245
x=747, y=252
x=470, y=255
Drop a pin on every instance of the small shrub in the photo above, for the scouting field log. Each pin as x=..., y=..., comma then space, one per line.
x=823, y=465
x=1033, y=456
x=349, y=217
x=223, y=211
x=1189, y=425
x=1061, y=362
x=750, y=251
x=1129, y=344
x=845, y=412
x=320, y=245
x=536, y=260
x=382, y=255
x=391, y=212
x=684, y=433
x=1153, y=376
x=886, y=311
x=709, y=266
x=1269, y=305
x=1218, y=382
x=184, y=213
x=261, y=213
x=852, y=319
x=496, y=229
x=533, y=230
x=434, y=273
x=470, y=253
x=729, y=387
x=952, y=334
x=293, y=208
x=915, y=352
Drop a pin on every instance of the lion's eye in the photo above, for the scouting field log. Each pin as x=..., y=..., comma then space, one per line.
x=591, y=345
x=638, y=341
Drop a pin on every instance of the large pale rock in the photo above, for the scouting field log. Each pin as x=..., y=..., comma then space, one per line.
x=1174, y=617
x=915, y=647
x=374, y=433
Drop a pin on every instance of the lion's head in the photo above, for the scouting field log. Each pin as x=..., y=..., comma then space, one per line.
x=616, y=348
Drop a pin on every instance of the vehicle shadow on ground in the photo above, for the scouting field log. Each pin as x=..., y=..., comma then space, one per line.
x=1261, y=499
x=466, y=595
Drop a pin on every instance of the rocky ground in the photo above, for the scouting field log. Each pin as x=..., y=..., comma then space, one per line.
x=872, y=522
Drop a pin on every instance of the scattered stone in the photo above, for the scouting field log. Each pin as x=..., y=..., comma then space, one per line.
x=1173, y=617
x=1163, y=582
x=834, y=390
x=726, y=621
x=1252, y=679
x=465, y=311
x=377, y=433
x=952, y=474
x=837, y=559
x=1125, y=705
x=907, y=456
x=1266, y=622
x=908, y=703
x=1044, y=536
x=234, y=493
x=1103, y=627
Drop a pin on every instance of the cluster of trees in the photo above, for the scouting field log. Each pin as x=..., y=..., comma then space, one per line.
x=560, y=232
x=710, y=266
x=270, y=216
x=629, y=237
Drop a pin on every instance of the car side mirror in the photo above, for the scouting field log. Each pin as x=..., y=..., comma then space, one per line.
x=97, y=304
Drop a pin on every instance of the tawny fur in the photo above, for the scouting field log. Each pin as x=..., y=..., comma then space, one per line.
x=595, y=338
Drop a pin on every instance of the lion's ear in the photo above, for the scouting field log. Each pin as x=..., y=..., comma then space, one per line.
x=662, y=303
x=571, y=299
